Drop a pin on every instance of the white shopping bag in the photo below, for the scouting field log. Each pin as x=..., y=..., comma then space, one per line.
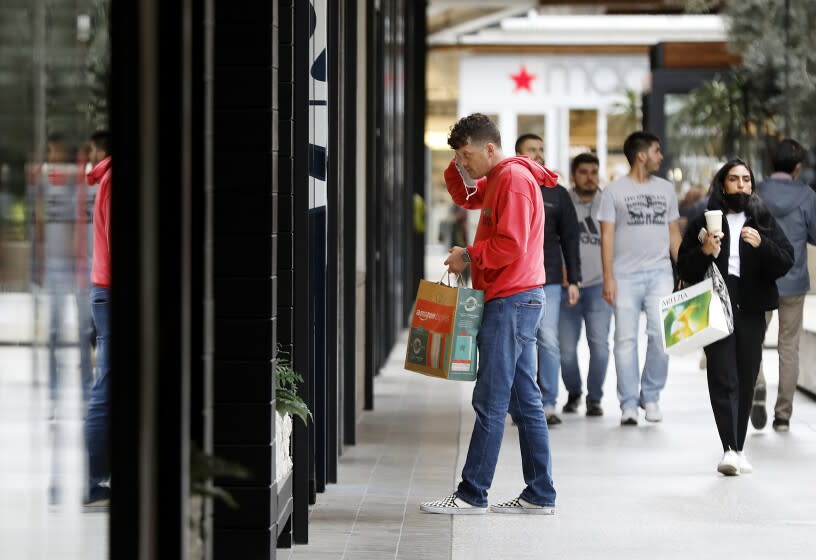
x=693, y=318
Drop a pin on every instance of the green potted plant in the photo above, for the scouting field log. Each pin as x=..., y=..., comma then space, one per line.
x=287, y=404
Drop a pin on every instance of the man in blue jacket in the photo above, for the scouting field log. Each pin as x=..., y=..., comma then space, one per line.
x=793, y=205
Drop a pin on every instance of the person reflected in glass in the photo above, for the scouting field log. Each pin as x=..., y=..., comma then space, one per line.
x=56, y=192
x=97, y=419
x=750, y=252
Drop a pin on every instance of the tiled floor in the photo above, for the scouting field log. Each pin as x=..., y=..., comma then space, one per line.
x=649, y=492
x=41, y=465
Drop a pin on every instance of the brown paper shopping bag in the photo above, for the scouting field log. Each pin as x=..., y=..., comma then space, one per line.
x=442, y=338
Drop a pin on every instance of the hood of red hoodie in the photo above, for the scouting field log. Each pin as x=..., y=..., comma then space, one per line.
x=542, y=175
x=95, y=175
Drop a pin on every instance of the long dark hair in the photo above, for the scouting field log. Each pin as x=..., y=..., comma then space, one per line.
x=755, y=208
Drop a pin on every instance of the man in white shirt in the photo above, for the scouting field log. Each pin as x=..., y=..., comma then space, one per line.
x=639, y=234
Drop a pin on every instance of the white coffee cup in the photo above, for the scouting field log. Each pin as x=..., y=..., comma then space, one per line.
x=714, y=220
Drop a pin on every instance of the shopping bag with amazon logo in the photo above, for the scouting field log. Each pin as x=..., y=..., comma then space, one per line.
x=442, y=337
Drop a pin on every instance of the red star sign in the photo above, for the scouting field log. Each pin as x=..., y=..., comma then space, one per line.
x=523, y=79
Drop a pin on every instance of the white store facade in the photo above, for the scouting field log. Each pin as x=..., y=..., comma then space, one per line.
x=552, y=96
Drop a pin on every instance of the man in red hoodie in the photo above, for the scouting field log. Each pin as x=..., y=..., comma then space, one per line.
x=507, y=263
x=96, y=421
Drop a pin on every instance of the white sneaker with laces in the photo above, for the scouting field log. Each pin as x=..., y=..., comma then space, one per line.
x=519, y=505
x=629, y=417
x=744, y=466
x=452, y=505
x=653, y=412
x=730, y=464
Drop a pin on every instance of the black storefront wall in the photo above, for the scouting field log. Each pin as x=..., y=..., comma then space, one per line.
x=152, y=234
x=209, y=106
x=245, y=207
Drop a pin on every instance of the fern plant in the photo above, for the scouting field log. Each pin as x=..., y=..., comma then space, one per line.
x=287, y=401
x=205, y=467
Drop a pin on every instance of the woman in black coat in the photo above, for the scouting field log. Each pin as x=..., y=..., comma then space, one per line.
x=753, y=253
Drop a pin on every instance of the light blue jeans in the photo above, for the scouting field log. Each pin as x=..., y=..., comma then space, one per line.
x=593, y=311
x=506, y=382
x=549, y=355
x=638, y=292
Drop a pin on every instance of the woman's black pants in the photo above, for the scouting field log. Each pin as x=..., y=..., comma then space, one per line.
x=733, y=365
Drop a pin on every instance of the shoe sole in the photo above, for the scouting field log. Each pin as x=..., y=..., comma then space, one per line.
x=728, y=470
x=781, y=428
x=454, y=511
x=759, y=417
x=525, y=511
x=593, y=413
x=629, y=422
x=653, y=419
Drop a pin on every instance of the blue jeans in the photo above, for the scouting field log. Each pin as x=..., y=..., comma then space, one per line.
x=549, y=356
x=86, y=331
x=593, y=311
x=506, y=382
x=98, y=417
x=58, y=280
x=637, y=292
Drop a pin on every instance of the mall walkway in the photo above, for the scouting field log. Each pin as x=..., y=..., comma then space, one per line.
x=650, y=492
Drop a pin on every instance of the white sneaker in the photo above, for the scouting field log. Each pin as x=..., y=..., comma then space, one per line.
x=452, y=505
x=519, y=505
x=744, y=466
x=730, y=464
x=551, y=416
x=629, y=417
x=653, y=413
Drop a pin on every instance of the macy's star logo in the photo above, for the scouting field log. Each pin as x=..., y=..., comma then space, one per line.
x=523, y=79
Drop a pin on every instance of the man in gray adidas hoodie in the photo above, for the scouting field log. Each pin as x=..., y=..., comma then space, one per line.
x=793, y=204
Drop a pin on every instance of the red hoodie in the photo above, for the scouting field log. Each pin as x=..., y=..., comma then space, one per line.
x=506, y=256
x=101, y=268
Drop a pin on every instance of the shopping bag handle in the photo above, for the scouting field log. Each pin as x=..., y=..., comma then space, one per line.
x=460, y=282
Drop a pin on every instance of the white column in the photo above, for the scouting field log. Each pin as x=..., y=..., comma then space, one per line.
x=508, y=128
x=601, y=143
x=551, y=136
x=562, y=161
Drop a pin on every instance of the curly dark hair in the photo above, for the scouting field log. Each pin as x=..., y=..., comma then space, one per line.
x=755, y=207
x=476, y=128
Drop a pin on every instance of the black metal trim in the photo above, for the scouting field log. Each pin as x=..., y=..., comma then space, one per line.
x=373, y=209
x=349, y=240
x=303, y=436
x=151, y=127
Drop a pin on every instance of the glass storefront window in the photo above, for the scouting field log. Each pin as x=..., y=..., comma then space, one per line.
x=532, y=124
x=619, y=125
x=694, y=151
x=54, y=73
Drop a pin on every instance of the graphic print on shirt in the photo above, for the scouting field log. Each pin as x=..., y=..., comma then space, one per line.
x=487, y=219
x=646, y=209
x=590, y=235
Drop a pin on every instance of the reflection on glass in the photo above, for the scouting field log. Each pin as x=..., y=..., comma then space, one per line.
x=694, y=149
x=55, y=71
x=532, y=124
x=621, y=123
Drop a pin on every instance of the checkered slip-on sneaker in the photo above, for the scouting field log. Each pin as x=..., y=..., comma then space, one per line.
x=451, y=505
x=517, y=505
